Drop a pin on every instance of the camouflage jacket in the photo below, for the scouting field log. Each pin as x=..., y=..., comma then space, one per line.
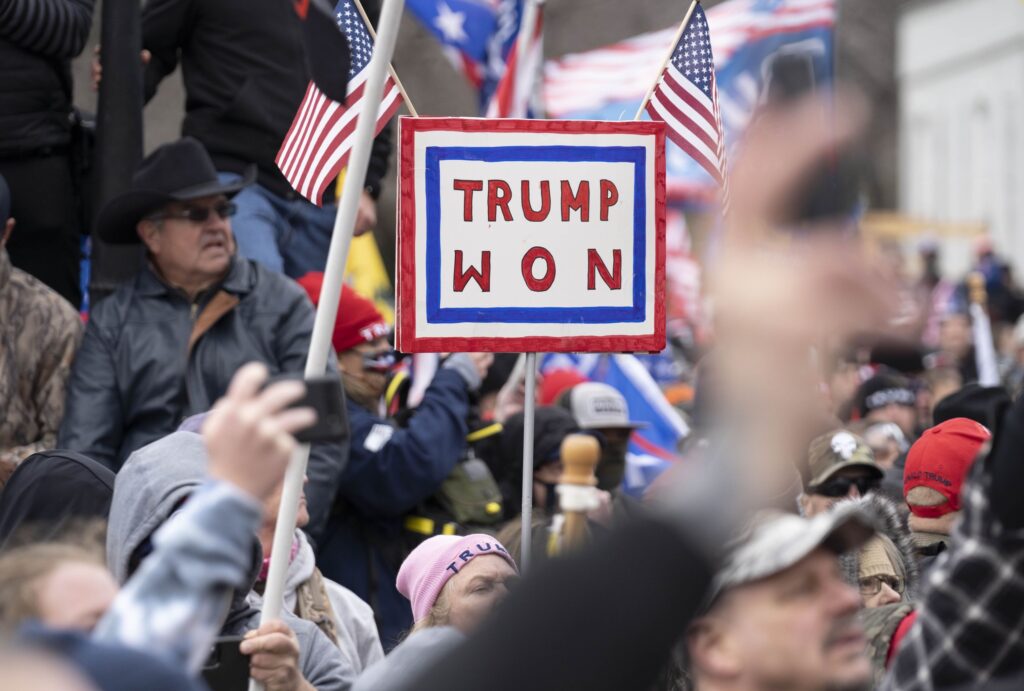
x=39, y=333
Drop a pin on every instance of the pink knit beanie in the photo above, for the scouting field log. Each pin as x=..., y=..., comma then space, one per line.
x=426, y=570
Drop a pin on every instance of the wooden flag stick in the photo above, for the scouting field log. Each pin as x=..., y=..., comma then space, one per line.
x=664, y=64
x=391, y=69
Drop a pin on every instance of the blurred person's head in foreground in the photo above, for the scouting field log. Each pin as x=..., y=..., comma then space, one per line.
x=937, y=465
x=63, y=586
x=67, y=660
x=888, y=398
x=601, y=409
x=455, y=581
x=782, y=616
x=840, y=465
x=360, y=339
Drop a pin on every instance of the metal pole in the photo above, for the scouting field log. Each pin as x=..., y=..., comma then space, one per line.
x=316, y=360
x=529, y=409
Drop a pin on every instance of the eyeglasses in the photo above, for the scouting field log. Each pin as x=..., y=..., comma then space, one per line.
x=840, y=486
x=198, y=214
x=872, y=585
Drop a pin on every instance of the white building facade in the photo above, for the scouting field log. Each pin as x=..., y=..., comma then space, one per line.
x=960, y=67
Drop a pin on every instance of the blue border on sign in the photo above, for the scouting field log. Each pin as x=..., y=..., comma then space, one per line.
x=637, y=155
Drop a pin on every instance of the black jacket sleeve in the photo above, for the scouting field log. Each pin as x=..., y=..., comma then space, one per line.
x=51, y=28
x=166, y=27
x=602, y=620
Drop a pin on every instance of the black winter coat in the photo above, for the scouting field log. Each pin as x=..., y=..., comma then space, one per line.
x=37, y=41
x=245, y=71
x=137, y=376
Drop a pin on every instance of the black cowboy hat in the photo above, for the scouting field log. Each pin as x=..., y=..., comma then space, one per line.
x=178, y=171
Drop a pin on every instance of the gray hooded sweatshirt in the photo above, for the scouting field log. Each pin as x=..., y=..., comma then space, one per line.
x=153, y=483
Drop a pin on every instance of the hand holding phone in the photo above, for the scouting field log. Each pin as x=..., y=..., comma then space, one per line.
x=324, y=395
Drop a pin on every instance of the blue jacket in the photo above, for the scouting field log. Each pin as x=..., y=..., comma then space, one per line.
x=390, y=471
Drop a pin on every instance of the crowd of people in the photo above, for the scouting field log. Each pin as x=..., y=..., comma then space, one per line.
x=842, y=515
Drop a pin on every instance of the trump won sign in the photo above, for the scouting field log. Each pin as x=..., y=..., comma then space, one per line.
x=530, y=235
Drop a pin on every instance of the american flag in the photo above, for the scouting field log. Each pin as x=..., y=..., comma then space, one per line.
x=686, y=98
x=318, y=142
x=512, y=98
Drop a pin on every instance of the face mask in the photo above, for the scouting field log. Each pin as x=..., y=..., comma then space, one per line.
x=611, y=468
x=551, y=503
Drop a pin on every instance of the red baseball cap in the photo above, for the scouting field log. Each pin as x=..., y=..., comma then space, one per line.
x=940, y=460
x=358, y=319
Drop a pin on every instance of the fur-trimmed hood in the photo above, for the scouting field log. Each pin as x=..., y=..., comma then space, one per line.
x=889, y=522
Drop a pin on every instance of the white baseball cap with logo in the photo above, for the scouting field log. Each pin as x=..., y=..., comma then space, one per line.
x=600, y=406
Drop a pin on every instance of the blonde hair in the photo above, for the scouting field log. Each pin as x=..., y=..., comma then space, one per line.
x=439, y=613
x=925, y=496
x=22, y=569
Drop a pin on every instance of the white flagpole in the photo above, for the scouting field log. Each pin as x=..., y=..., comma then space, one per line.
x=323, y=326
x=529, y=410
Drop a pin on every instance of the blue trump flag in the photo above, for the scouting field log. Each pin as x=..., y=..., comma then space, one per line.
x=477, y=36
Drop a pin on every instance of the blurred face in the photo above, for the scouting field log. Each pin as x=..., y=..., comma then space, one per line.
x=75, y=595
x=955, y=334
x=270, y=509
x=543, y=478
x=368, y=383
x=190, y=253
x=797, y=630
x=477, y=589
x=905, y=416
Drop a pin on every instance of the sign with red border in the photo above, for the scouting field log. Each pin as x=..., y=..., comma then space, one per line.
x=530, y=236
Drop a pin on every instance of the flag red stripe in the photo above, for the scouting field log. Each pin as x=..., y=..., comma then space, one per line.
x=688, y=121
x=681, y=140
x=690, y=99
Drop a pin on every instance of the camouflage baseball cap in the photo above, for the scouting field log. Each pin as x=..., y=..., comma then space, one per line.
x=831, y=452
x=777, y=541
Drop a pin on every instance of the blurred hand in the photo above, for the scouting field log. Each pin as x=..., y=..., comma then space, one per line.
x=482, y=361
x=97, y=65
x=366, y=215
x=511, y=399
x=248, y=433
x=274, y=657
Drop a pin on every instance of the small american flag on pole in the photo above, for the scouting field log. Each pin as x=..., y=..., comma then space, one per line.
x=318, y=142
x=686, y=97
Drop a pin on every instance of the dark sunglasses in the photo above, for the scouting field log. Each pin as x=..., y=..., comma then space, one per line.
x=840, y=486
x=199, y=214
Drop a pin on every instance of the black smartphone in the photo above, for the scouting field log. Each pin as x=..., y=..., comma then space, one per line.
x=227, y=669
x=324, y=395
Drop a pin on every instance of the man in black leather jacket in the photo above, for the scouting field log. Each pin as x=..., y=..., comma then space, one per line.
x=165, y=345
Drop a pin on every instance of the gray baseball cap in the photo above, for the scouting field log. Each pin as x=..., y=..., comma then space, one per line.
x=600, y=406
x=777, y=541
